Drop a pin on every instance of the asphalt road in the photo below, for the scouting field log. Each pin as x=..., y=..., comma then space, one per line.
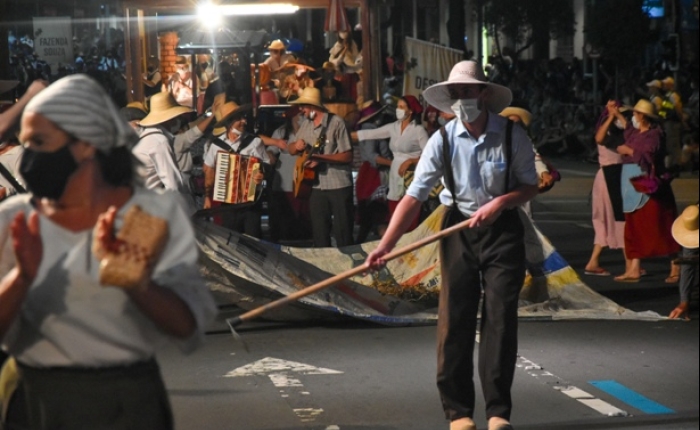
x=596, y=375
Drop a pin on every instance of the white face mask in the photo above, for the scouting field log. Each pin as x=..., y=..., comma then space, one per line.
x=400, y=114
x=635, y=122
x=619, y=124
x=466, y=110
x=312, y=115
x=236, y=131
x=442, y=121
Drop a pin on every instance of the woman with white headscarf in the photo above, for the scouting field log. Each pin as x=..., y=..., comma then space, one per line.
x=84, y=347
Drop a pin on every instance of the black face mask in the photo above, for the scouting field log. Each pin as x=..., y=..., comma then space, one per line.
x=46, y=173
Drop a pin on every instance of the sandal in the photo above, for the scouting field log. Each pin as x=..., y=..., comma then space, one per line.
x=623, y=278
x=672, y=279
x=596, y=272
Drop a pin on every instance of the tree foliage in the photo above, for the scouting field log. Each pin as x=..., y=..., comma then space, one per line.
x=620, y=31
x=528, y=22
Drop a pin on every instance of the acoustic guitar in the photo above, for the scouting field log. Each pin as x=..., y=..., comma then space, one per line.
x=304, y=176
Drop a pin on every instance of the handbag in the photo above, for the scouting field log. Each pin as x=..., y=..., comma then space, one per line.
x=647, y=183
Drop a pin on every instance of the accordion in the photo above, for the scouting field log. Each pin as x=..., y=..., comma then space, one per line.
x=233, y=181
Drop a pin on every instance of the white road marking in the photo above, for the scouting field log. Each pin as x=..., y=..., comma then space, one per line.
x=581, y=396
x=291, y=387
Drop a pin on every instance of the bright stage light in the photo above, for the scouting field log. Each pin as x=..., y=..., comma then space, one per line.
x=208, y=11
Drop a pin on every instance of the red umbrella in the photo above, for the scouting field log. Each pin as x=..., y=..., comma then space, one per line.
x=336, y=19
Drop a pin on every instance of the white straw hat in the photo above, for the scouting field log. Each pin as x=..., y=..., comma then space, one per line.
x=685, y=228
x=467, y=72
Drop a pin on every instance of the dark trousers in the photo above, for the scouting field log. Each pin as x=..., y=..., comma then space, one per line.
x=332, y=209
x=114, y=398
x=491, y=259
x=244, y=220
x=289, y=217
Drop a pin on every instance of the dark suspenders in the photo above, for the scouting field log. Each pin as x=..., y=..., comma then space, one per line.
x=447, y=160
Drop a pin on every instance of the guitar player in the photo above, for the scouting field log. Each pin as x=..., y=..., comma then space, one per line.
x=331, y=195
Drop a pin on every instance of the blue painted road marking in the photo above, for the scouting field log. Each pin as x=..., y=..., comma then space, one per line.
x=632, y=398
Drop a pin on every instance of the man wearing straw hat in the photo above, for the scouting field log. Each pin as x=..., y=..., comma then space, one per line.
x=278, y=56
x=154, y=150
x=233, y=120
x=488, y=170
x=685, y=232
x=331, y=199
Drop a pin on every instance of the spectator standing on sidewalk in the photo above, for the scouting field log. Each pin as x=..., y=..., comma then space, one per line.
x=607, y=214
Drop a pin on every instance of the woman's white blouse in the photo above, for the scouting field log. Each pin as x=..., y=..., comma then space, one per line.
x=404, y=146
x=69, y=319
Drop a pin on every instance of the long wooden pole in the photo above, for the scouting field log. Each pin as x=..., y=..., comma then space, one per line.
x=254, y=313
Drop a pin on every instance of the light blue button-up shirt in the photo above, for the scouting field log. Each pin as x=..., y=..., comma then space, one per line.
x=478, y=163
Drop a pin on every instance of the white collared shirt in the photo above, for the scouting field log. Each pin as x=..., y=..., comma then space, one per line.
x=254, y=149
x=478, y=164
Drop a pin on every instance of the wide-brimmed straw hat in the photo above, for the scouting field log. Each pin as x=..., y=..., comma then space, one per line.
x=6, y=86
x=163, y=108
x=524, y=115
x=471, y=73
x=669, y=82
x=228, y=112
x=685, y=228
x=277, y=44
x=309, y=96
x=654, y=84
x=644, y=107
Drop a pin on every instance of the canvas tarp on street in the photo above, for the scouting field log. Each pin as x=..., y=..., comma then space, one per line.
x=249, y=273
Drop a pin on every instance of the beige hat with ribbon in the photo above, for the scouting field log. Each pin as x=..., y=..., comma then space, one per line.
x=470, y=73
x=163, y=108
x=309, y=96
x=685, y=228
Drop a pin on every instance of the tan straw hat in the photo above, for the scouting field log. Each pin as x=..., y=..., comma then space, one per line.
x=467, y=72
x=524, y=115
x=138, y=105
x=277, y=44
x=6, y=86
x=654, y=84
x=646, y=108
x=309, y=96
x=163, y=108
x=685, y=228
x=227, y=113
